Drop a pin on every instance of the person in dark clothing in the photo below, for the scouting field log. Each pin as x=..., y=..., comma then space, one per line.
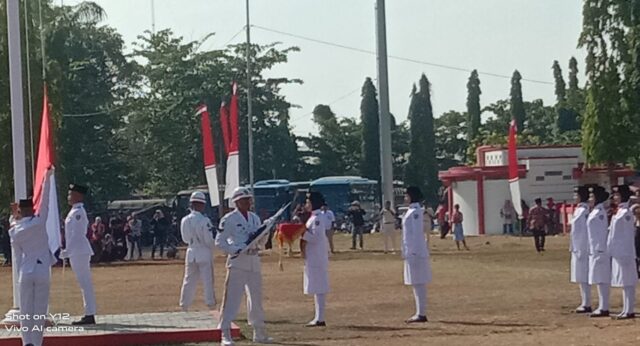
x=159, y=228
x=5, y=242
x=538, y=220
x=357, y=218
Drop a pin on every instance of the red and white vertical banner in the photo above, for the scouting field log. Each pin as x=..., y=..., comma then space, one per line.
x=46, y=161
x=514, y=178
x=209, y=156
x=233, y=152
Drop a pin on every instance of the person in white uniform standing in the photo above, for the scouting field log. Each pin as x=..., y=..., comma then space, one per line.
x=197, y=232
x=621, y=245
x=314, y=249
x=599, y=257
x=29, y=239
x=579, y=248
x=78, y=250
x=388, y=227
x=243, y=269
x=417, y=266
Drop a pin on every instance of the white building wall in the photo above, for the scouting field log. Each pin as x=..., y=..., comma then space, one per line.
x=500, y=157
x=495, y=193
x=552, y=177
x=465, y=194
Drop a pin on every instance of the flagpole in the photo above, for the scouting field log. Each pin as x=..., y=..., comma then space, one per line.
x=249, y=106
x=17, y=129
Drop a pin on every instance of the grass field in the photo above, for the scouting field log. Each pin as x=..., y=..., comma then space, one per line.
x=500, y=293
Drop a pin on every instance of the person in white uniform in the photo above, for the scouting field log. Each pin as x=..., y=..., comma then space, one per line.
x=417, y=266
x=621, y=245
x=579, y=248
x=243, y=269
x=599, y=258
x=314, y=249
x=388, y=227
x=29, y=239
x=78, y=250
x=331, y=221
x=197, y=232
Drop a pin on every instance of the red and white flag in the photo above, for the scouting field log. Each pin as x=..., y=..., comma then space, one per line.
x=46, y=161
x=209, y=156
x=233, y=152
x=514, y=178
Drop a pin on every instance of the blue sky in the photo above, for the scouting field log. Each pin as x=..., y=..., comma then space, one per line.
x=493, y=36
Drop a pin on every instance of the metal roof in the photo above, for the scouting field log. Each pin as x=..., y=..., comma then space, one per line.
x=341, y=180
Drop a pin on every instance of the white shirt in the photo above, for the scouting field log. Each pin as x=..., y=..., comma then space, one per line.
x=317, y=248
x=29, y=237
x=597, y=230
x=330, y=216
x=413, y=239
x=75, y=232
x=234, y=233
x=387, y=217
x=621, y=241
x=579, y=234
x=197, y=231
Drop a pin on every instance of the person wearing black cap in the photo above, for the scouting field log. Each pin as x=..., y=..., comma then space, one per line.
x=580, y=248
x=417, y=267
x=78, y=250
x=599, y=258
x=30, y=242
x=621, y=245
x=314, y=248
x=537, y=222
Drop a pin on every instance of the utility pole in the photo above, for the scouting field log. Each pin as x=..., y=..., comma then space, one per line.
x=249, y=106
x=17, y=130
x=386, y=157
x=153, y=17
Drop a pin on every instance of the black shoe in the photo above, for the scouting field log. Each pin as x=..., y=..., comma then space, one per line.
x=313, y=324
x=353, y=248
x=624, y=317
x=86, y=320
x=583, y=310
x=598, y=313
x=417, y=319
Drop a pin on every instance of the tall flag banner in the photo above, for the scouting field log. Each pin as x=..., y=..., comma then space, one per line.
x=514, y=179
x=209, y=156
x=46, y=161
x=233, y=160
x=224, y=124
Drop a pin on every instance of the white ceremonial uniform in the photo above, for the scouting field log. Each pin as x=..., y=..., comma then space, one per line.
x=330, y=217
x=599, y=257
x=29, y=238
x=580, y=245
x=243, y=270
x=316, y=261
x=197, y=232
x=621, y=245
x=78, y=250
x=417, y=267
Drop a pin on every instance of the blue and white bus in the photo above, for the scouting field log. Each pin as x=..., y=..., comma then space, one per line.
x=271, y=195
x=340, y=192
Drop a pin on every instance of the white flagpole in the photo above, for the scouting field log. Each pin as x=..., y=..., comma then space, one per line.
x=17, y=129
x=249, y=105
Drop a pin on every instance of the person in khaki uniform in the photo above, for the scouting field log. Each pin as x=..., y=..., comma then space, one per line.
x=537, y=222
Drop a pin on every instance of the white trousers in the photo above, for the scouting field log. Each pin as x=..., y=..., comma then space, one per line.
x=237, y=283
x=420, y=296
x=80, y=264
x=34, y=302
x=628, y=299
x=388, y=233
x=603, y=297
x=585, y=294
x=194, y=272
x=320, y=301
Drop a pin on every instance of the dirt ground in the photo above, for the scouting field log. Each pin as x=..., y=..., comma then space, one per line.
x=500, y=293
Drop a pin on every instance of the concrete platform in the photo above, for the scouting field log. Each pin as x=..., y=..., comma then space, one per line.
x=130, y=329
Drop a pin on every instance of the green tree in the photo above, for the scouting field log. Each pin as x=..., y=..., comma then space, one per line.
x=370, y=160
x=560, y=86
x=422, y=167
x=451, y=141
x=473, y=105
x=517, y=106
x=575, y=95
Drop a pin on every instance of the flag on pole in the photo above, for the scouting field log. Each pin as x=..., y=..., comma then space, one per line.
x=514, y=178
x=233, y=161
x=209, y=156
x=46, y=161
x=224, y=124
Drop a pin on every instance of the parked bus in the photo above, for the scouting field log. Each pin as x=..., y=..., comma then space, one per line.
x=271, y=195
x=181, y=204
x=340, y=192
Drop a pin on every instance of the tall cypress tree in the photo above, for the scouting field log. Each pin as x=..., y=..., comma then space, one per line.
x=517, y=105
x=560, y=84
x=574, y=89
x=422, y=167
x=370, y=164
x=473, y=106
